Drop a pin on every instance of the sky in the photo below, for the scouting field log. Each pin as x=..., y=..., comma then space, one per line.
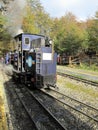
x=82, y=9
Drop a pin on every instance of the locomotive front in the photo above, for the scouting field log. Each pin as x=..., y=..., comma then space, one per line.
x=36, y=60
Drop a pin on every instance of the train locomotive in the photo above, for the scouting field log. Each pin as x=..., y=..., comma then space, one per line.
x=34, y=60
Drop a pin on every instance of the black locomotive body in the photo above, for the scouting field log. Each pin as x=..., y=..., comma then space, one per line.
x=34, y=60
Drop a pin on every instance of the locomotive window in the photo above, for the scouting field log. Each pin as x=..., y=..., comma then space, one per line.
x=26, y=40
x=36, y=43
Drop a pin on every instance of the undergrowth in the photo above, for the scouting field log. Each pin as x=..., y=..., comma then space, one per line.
x=87, y=67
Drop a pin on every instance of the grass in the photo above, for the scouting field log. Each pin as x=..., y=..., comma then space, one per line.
x=77, y=88
x=1, y=116
x=93, y=67
x=76, y=70
x=3, y=125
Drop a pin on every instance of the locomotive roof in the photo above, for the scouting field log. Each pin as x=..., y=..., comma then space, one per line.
x=19, y=35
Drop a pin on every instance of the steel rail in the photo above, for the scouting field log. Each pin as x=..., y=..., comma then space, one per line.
x=72, y=98
x=42, y=90
x=17, y=93
x=57, y=121
x=79, y=79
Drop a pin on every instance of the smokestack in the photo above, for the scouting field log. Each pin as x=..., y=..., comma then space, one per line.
x=19, y=31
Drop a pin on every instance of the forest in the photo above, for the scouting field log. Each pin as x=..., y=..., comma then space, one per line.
x=70, y=36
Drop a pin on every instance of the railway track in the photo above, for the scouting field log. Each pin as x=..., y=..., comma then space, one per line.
x=86, y=110
x=27, y=112
x=65, y=117
x=79, y=79
x=38, y=112
x=42, y=117
x=20, y=117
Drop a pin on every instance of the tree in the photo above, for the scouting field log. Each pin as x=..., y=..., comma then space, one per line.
x=4, y=35
x=69, y=37
x=28, y=24
x=37, y=20
x=92, y=29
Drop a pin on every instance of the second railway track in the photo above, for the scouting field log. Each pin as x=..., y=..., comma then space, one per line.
x=64, y=115
x=79, y=106
x=78, y=79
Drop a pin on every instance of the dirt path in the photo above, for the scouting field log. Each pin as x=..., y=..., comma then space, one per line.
x=3, y=122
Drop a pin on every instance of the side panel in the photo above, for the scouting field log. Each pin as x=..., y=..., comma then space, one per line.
x=49, y=68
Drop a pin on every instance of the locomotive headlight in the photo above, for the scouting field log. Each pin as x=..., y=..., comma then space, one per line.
x=29, y=61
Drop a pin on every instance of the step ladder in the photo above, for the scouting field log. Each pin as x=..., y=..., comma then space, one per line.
x=38, y=69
